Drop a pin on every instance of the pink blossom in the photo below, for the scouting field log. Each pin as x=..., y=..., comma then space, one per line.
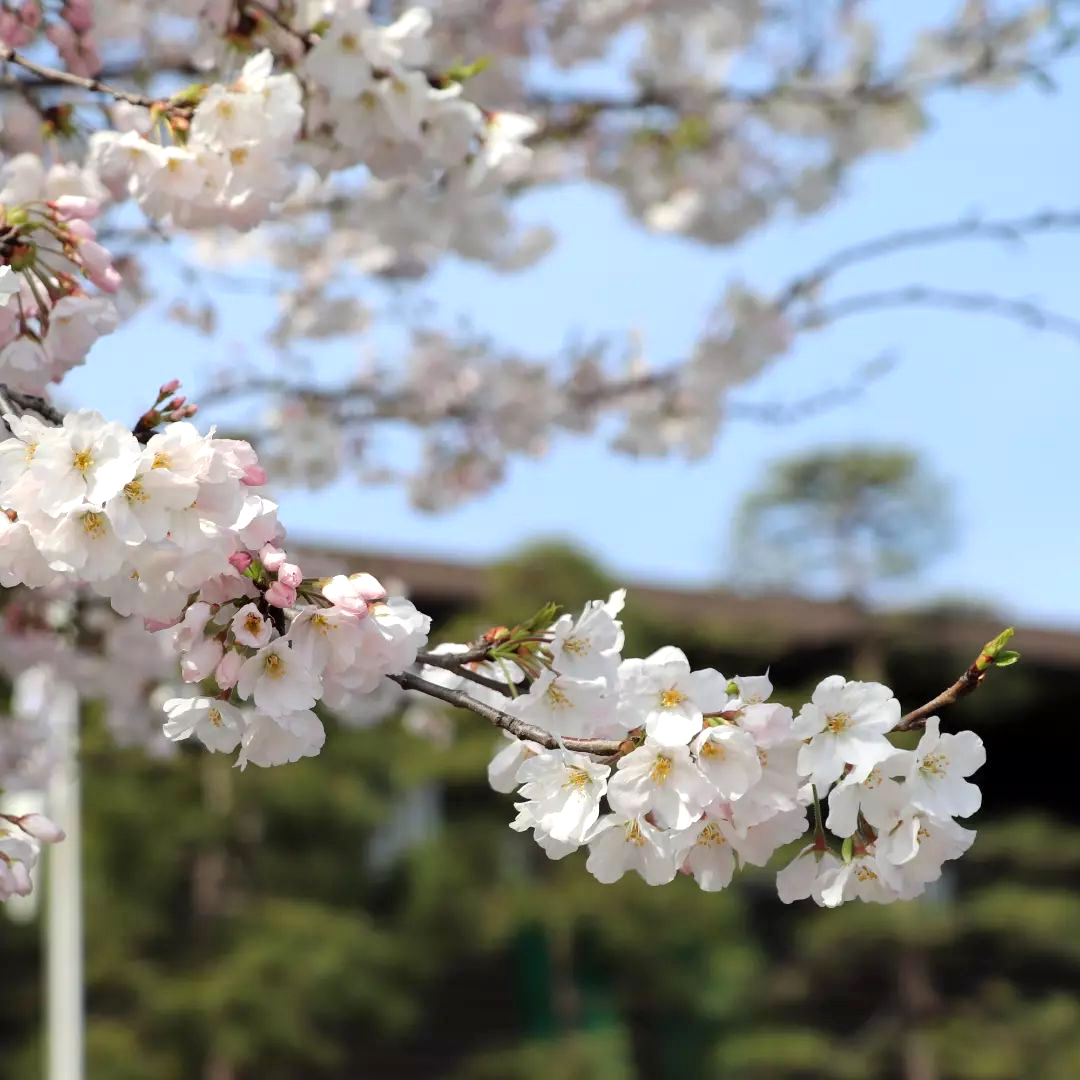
x=241, y=560
x=228, y=671
x=80, y=207
x=253, y=476
x=281, y=595
x=290, y=574
x=272, y=557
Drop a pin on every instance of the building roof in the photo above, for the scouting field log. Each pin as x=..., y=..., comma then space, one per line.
x=783, y=619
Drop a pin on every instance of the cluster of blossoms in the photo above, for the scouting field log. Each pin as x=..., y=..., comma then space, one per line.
x=20, y=840
x=48, y=252
x=709, y=775
x=376, y=104
x=70, y=29
x=265, y=645
x=170, y=529
x=227, y=162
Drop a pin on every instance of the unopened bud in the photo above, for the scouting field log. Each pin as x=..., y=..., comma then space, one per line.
x=168, y=388
x=290, y=574
x=281, y=595
x=241, y=560
x=40, y=828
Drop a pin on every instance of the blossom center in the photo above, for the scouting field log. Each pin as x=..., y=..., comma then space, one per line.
x=711, y=836
x=82, y=461
x=712, y=749
x=934, y=764
x=837, y=722
x=671, y=699
x=632, y=833
x=214, y=717
x=864, y=873
x=253, y=624
x=134, y=492
x=578, y=779
x=161, y=461
x=274, y=666
x=575, y=645
x=661, y=769
x=556, y=698
x=93, y=524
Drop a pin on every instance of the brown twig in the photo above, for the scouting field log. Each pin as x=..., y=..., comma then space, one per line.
x=520, y=729
x=976, y=672
x=12, y=401
x=305, y=37
x=56, y=76
x=1026, y=312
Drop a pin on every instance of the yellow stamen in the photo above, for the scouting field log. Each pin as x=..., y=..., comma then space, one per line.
x=578, y=779
x=661, y=769
x=83, y=461
x=671, y=699
x=93, y=524
x=711, y=836
x=274, y=666
x=133, y=492
x=161, y=461
x=837, y=722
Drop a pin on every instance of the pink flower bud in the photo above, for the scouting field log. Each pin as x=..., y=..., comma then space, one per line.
x=354, y=593
x=201, y=660
x=79, y=15
x=80, y=228
x=281, y=595
x=228, y=671
x=21, y=878
x=72, y=207
x=107, y=280
x=369, y=587
x=290, y=574
x=40, y=828
x=176, y=403
x=169, y=388
x=190, y=410
x=254, y=475
x=272, y=557
x=241, y=560
x=30, y=14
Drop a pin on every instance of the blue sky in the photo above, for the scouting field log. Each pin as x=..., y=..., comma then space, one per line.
x=991, y=405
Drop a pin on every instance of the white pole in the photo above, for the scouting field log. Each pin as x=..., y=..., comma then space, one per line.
x=63, y=934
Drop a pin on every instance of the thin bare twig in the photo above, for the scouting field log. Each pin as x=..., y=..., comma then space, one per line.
x=990, y=655
x=55, y=76
x=1009, y=230
x=17, y=403
x=1026, y=312
x=520, y=729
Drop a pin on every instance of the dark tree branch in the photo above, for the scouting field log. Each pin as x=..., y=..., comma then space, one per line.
x=968, y=681
x=54, y=76
x=17, y=403
x=516, y=727
x=1026, y=312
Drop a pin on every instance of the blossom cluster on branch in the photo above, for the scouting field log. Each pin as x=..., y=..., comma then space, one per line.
x=339, y=135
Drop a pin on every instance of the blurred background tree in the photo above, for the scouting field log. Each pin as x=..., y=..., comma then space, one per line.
x=836, y=521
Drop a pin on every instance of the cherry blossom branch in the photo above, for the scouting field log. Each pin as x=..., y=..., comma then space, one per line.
x=1025, y=312
x=54, y=76
x=993, y=654
x=885, y=89
x=260, y=10
x=529, y=732
x=1008, y=230
x=16, y=403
